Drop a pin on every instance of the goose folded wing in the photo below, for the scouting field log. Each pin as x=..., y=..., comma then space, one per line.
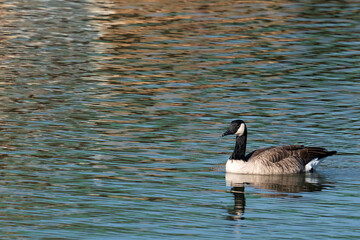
x=275, y=154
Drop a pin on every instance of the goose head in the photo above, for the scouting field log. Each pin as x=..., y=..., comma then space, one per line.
x=236, y=127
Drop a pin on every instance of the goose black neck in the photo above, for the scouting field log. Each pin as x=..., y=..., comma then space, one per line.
x=240, y=148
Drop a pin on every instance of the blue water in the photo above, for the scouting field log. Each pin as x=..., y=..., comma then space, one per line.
x=112, y=114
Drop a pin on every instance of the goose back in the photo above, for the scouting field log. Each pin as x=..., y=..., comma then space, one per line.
x=277, y=154
x=283, y=159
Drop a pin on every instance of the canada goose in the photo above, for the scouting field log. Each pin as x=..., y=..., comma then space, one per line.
x=271, y=160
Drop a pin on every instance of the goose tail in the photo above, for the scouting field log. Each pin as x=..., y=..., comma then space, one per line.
x=314, y=163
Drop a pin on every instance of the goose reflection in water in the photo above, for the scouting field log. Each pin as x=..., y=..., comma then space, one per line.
x=279, y=186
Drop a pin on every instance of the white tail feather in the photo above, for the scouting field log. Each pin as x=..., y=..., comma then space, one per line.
x=313, y=164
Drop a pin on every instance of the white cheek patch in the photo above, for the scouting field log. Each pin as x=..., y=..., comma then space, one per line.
x=241, y=130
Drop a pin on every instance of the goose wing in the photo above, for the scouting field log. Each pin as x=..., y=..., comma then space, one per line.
x=273, y=154
x=301, y=153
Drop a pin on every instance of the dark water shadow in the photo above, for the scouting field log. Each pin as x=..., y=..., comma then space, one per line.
x=272, y=186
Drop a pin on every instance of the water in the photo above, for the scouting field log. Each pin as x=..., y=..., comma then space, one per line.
x=112, y=112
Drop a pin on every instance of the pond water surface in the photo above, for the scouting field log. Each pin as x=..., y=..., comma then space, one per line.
x=112, y=112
